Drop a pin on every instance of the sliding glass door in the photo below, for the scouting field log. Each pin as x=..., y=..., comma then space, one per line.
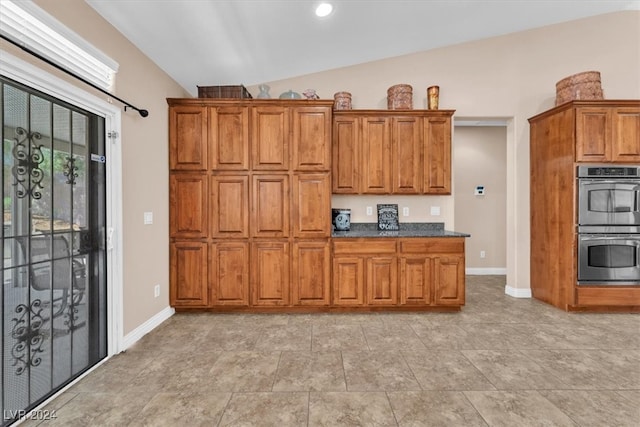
x=53, y=273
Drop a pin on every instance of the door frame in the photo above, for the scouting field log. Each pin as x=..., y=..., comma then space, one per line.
x=23, y=72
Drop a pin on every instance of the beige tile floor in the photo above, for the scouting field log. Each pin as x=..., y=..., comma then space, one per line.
x=501, y=361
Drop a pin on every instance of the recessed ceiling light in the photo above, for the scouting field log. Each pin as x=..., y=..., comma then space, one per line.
x=324, y=9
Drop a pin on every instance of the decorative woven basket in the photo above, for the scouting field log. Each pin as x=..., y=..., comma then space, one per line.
x=581, y=86
x=400, y=97
x=238, y=91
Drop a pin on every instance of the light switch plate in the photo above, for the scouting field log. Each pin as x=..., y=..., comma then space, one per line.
x=435, y=210
x=369, y=210
x=405, y=211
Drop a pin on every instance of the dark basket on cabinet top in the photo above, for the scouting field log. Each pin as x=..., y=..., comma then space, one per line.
x=236, y=92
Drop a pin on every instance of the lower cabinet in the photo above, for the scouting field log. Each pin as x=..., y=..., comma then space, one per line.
x=270, y=273
x=311, y=273
x=230, y=273
x=345, y=272
x=189, y=276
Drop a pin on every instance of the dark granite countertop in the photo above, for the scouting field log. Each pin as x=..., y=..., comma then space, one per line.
x=409, y=229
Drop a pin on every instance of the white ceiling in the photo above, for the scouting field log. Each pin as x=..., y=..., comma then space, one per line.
x=227, y=42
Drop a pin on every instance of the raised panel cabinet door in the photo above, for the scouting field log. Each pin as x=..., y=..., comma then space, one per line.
x=270, y=206
x=188, y=205
x=270, y=138
x=348, y=281
x=187, y=138
x=346, y=155
x=311, y=278
x=593, y=134
x=406, y=155
x=416, y=280
x=270, y=273
x=189, y=279
x=437, y=155
x=382, y=281
x=311, y=205
x=229, y=138
x=230, y=273
x=311, y=138
x=376, y=155
x=626, y=135
x=449, y=288
x=229, y=206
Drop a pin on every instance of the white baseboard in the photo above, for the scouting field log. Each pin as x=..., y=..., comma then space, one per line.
x=485, y=271
x=142, y=330
x=517, y=292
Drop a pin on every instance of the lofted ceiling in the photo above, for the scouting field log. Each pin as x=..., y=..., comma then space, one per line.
x=230, y=42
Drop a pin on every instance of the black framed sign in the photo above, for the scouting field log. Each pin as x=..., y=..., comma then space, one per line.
x=388, y=218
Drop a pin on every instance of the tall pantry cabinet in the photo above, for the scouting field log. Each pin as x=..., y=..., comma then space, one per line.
x=250, y=202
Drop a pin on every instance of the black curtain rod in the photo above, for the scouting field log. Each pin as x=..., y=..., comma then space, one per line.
x=143, y=113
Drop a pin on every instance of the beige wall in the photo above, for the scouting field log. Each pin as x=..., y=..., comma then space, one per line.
x=511, y=76
x=144, y=155
x=480, y=158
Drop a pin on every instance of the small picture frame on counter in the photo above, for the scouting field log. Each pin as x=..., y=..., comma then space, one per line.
x=388, y=217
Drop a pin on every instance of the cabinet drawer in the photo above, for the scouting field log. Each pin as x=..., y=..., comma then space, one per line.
x=364, y=246
x=432, y=245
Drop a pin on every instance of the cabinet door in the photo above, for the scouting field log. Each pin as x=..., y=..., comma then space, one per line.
x=437, y=155
x=229, y=138
x=626, y=135
x=230, y=273
x=415, y=280
x=270, y=273
x=406, y=155
x=311, y=138
x=449, y=280
x=311, y=273
x=189, y=274
x=229, y=206
x=346, y=155
x=382, y=281
x=311, y=205
x=376, y=155
x=187, y=138
x=348, y=281
x=188, y=205
x=270, y=206
x=593, y=134
x=270, y=138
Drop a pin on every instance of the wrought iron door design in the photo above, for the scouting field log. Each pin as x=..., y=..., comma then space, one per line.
x=53, y=246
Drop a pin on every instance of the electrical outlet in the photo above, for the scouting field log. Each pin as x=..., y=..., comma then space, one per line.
x=483, y=254
x=369, y=210
x=156, y=291
x=405, y=211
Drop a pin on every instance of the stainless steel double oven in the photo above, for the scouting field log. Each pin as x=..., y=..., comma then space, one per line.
x=608, y=225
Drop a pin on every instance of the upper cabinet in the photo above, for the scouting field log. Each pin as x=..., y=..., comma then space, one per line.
x=229, y=138
x=188, y=138
x=607, y=133
x=392, y=152
x=311, y=137
x=270, y=139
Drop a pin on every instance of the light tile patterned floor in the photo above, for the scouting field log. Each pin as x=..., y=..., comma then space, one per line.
x=501, y=361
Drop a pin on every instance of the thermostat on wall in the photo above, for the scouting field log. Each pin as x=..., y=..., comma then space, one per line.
x=479, y=190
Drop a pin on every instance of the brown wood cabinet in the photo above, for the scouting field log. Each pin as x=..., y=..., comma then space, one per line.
x=311, y=273
x=562, y=138
x=189, y=261
x=230, y=273
x=608, y=134
x=248, y=180
x=392, y=152
x=390, y=272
